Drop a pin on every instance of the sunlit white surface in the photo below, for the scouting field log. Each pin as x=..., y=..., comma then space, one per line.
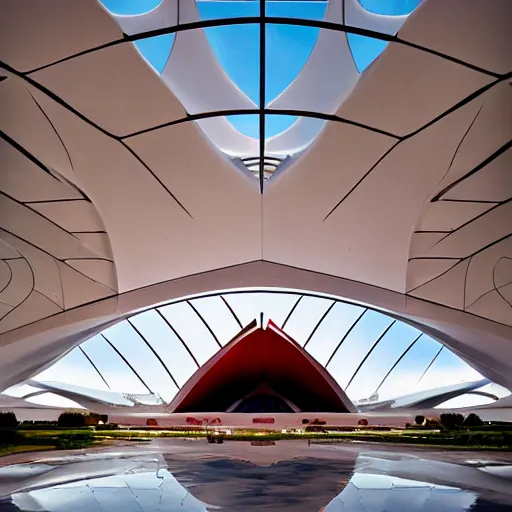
x=20, y=390
x=377, y=493
x=146, y=492
x=54, y=400
x=495, y=389
x=108, y=397
x=467, y=400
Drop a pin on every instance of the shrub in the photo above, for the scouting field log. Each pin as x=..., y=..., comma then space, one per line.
x=107, y=426
x=8, y=420
x=472, y=420
x=73, y=441
x=433, y=422
x=452, y=420
x=91, y=419
x=10, y=436
x=71, y=419
x=419, y=420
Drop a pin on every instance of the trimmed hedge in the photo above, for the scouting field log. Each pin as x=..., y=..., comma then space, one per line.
x=73, y=441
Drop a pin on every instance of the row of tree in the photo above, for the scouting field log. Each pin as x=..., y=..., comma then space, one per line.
x=66, y=419
x=450, y=420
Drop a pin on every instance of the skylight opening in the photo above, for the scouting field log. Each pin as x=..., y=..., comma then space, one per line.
x=237, y=48
x=300, y=9
x=390, y=7
x=214, y=10
x=278, y=123
x=247, y=124
x=287, y=50
x=365, y=49
x=130, y=7
x=156, y=50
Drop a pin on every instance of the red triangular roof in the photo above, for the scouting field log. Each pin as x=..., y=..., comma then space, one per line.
x=258, y=355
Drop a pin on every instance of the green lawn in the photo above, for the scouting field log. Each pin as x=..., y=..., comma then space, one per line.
x=32, y=439
x=11, y=449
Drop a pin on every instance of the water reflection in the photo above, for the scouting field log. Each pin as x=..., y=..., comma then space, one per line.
x=368, y=482
x=366, y=493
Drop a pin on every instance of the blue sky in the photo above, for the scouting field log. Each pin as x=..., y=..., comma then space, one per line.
x=237, y=47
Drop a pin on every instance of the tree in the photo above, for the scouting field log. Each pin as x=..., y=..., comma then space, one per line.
x=8, y=420
x=419, y=420
x=472, y=420
x=433, y=422
x=71, y=420
x=452, y=420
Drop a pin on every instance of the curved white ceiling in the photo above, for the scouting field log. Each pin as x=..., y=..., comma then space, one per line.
x=107, y=186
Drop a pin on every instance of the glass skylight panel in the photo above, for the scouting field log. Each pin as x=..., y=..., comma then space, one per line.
x=425, y=364
x=213, y=10
x=287, y=49
x=305, y=317
x=390, y=7
x=168, y=346
x=301, y=9
x=332, y=329
x=447, y=369
x=389, y=349
x=277, y=123
x=156, y=50
x=192, y=330
x=249, y=306
x=365, y=49
x=357, y=344
x=73, y=368
x=237, y=48
x=248, y=124
x=143, y=360
x=276, y=306
x=404, y=378
x=54, y=400
x=114, y=370
x=219, y=318
x=130, y=7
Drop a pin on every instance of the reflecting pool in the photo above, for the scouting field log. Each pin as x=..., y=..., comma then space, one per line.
x=191, y=476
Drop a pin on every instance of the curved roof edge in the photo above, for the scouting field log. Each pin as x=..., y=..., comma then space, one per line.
x=195, y=390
